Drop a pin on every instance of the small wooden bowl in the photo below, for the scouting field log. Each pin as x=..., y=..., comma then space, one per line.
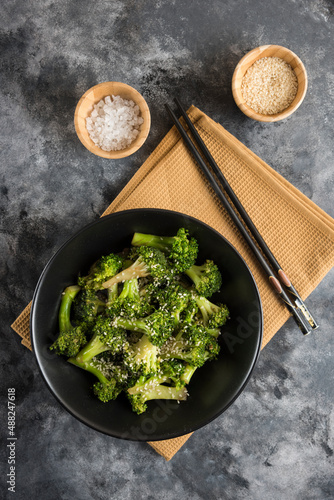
x=93, y=96
x=269, y=51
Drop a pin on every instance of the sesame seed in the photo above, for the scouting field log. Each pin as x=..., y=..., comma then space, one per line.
x=269, y=86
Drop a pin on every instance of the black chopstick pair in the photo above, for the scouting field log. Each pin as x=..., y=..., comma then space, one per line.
x=281, y=283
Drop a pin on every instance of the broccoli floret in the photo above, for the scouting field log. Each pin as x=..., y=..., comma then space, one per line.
x=181, y=250
x=106, y=389
x=86, y=305
x=193, y=344
x=169, y=371
x=206, y=278
x=188, y=316
x=70, y=342
x=158, y=326
x=149, y=262
x=142, y=357
x=148, y=388
x=174, y=299
x=71, y=338
x=190, y=347
x=212, y=348
x=106, y=267
x=174, y=370
x=138, y=401
x=213, y=315
x=148, y=291
x=114, y=367
x=130, y=303
x=106, y=337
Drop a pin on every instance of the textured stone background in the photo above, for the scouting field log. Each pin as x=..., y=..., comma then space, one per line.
x=276, y=441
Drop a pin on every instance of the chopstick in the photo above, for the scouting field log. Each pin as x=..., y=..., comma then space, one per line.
x=250, y=233
x=283, y=278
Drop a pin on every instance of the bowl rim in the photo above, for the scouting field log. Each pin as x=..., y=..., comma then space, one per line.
x=238, y=75
x=122, y=153
x=154, y=437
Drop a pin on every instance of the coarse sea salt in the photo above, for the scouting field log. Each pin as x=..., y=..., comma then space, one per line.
x=114, y=123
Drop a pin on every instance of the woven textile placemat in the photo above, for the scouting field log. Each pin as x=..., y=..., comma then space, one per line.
x=169, y=179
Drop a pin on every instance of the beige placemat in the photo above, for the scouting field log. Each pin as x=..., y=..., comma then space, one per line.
x=299, y=233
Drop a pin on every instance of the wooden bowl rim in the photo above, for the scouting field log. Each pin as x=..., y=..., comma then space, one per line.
x=80, y=125
x=241, y=69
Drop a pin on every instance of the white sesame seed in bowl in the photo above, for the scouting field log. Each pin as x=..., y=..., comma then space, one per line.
x=269, y=83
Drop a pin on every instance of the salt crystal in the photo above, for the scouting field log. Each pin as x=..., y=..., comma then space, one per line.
x=114, y=123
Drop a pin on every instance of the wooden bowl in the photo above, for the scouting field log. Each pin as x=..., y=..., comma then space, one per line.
x=269, y=51
x=93, y=96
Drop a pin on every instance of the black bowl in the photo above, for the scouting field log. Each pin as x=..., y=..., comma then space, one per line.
x=212, y=389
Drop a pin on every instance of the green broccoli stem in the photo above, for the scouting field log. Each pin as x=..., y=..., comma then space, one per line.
x=89, y=368
x=137, y=270
x=91, y=349
x=144, y=384
x=64, y=316
x=194, y=273
x=163, y=243
x=135, y=325
x=188, y=373
x=206, y=307
x=138, y=400
x=130, y=290
x=176, y=315
x=215, y=332
x=176, y=350
x=205, y=303
x=112, y=293
x=166, y=392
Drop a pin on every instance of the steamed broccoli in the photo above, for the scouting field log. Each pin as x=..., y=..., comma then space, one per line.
x=166, y=371
x=86, y=305
x=189, y=314
x=71, y=338
x=149, y=262
x=193, y=344
x=174, y=371
x=102, y=270
x=148, y=388
x=106, y=337
x=129, y=302
x=142, y=357
x=138, y=401
x=174, y=299
x=181, y=250
x=112, y=294
x=189, y=371
x=139, y=324
x=206, y=278
x=158, y=326
x=105, y=388
x=213, y=315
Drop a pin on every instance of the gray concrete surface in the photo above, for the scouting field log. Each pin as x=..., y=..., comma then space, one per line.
x=276, y=441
